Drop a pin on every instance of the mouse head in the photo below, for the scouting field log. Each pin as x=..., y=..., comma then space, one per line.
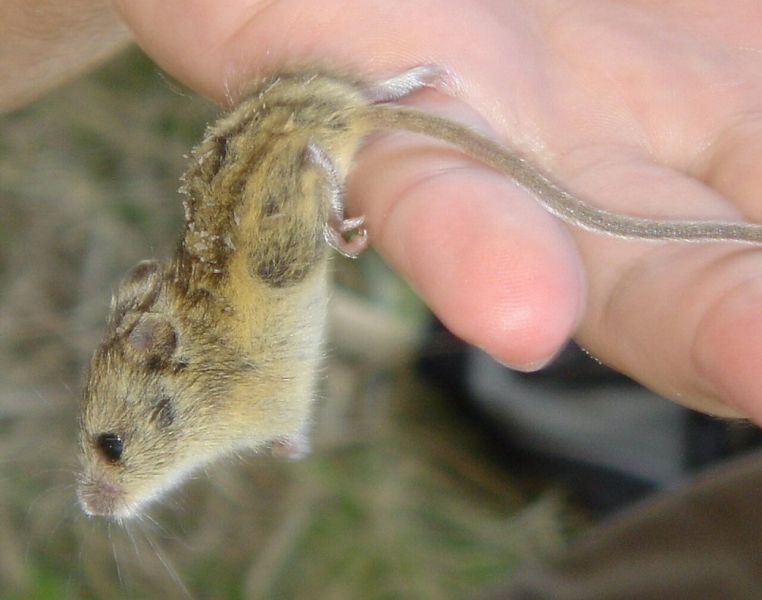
x=171, y=389
x=136, y=411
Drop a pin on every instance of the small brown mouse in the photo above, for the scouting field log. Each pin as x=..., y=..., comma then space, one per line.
x=216, y=350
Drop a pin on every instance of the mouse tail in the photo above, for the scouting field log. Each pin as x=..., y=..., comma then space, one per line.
x=554, y=199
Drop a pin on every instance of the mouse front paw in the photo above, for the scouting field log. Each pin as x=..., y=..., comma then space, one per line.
x=293, y=447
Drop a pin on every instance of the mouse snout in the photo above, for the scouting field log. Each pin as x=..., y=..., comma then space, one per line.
x=100, y=497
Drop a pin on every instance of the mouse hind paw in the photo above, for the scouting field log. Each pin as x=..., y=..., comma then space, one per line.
x=350, y=247
x=412, y=80
x=345, y=235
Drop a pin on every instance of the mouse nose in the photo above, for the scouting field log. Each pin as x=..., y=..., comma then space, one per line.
x=99, y=497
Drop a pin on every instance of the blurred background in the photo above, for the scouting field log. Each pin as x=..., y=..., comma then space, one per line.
x=434, y=471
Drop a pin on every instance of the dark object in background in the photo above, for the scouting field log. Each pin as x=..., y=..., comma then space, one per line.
x=699, y=541
x=611, y=439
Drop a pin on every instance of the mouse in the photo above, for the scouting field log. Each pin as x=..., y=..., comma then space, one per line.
x=215, y=350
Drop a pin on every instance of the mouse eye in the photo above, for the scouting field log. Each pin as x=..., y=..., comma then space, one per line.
x=110, y=446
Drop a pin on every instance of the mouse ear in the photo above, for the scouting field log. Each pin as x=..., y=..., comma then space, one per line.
x=153, y=335
x=140, y=288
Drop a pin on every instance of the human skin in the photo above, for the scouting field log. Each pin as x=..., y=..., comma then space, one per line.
x=45, y=42
x=645, y=108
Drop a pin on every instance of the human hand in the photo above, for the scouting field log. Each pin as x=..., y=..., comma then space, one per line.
x=648, y=109
x=46, y=42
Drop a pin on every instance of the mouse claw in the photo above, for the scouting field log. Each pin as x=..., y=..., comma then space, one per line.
x=337, y=225
x=352, y=247
x=347, y=225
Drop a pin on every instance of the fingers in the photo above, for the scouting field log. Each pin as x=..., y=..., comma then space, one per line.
x=727, y=344
x=662, y=312
x=732, y=166
x=217, y=46
x=496, y=268
x=678, y=317
x=187, y=39
x=662, y=320
x=44, y=44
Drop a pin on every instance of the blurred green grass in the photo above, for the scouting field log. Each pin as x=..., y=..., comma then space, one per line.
x=400, y=499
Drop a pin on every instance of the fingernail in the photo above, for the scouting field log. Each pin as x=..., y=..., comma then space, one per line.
x=529, y=367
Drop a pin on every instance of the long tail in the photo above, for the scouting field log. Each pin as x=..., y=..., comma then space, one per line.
x=557, y=201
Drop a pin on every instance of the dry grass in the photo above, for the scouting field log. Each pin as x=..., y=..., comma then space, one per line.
x=397, y=501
